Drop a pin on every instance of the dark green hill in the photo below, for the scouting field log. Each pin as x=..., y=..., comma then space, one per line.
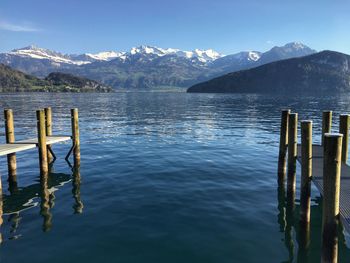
x=16, y=81
x=323, y=72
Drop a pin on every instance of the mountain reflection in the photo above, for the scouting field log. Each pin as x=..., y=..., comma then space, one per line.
x=40, y=194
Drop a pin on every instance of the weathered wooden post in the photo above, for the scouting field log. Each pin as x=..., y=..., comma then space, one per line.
x=292, y=156
x=48, y=125
x=283, y=146
x=305, y=188
x=44, y=168
x=344, y=122
x=331, y=193
x=326, y=123
x=75, y=135
x=306, y=171
x=10, y=138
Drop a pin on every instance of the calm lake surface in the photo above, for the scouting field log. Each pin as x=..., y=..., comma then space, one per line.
x=164, y=177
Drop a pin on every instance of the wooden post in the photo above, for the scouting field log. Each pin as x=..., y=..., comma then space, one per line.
x=44, y=168
x=75, y=135
x=306, y=171
x=344, y=123
x=331, y=193
x=283, y=146
x=10, y=138
x=292, y=156
x=326, y=123
x=48, y=125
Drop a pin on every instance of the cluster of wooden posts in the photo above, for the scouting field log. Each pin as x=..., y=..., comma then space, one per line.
x=42, y=142
x=335, y=152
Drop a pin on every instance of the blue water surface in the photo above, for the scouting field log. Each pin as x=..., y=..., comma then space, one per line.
x=164, y=177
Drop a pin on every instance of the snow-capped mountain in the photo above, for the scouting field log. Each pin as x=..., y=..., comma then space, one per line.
x=290, y=50
x=42, y=53
x=146, y=66
x=202, y=55
x=107, y=55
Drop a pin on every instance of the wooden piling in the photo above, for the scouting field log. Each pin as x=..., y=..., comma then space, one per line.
x=48, y=128
x=283, y=146
x=326, y=123
x=344, y=123
x=10, y=138
x=43, y=163
x=331, y=193
x=306, y=171
x=75, y=135
x=292, y=156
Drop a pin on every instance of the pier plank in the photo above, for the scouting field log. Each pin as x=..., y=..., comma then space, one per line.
x=317, y=178
x=29, y=144
x=49, y=140
x=12, y=148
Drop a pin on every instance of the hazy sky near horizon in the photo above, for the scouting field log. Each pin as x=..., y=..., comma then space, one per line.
x=78, y=26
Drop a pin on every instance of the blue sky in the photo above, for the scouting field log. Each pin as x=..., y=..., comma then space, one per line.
x=228, y=26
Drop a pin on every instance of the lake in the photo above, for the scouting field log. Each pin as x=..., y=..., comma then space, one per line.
x=164, y=177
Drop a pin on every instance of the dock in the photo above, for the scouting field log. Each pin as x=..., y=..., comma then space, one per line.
x=43, y=142
x=20, y=199
x=317, y=179
x=326, y=166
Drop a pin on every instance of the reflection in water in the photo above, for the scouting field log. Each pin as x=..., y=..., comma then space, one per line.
x=20, y=199
x=78, y=205
x=45, y=203
x=1, y=211
x=330, y=243
x=304, y=242
x=15, y=220
x=308, y=237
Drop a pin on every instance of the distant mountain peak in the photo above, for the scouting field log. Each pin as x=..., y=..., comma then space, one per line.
x=202, y=55
x=106, y=55
x=295, y=45
x=35, y=52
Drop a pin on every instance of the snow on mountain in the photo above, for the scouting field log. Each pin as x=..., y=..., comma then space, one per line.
x=253, y=55
x=246, y=56
x=202, y=55
x=107, y=56
x=41, y=53
x=34, y=52
x=295, y=46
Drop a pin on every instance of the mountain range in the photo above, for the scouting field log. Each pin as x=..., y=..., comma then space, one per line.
x=146, y=66
x=326, y=72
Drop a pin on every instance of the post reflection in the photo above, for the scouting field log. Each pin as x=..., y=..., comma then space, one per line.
x=330, y=243
x=76, y=181
x=45, y=204
x=1, y=212
x=17, y=199
x=281, y=192
x=289, y=240
x=305, y=242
